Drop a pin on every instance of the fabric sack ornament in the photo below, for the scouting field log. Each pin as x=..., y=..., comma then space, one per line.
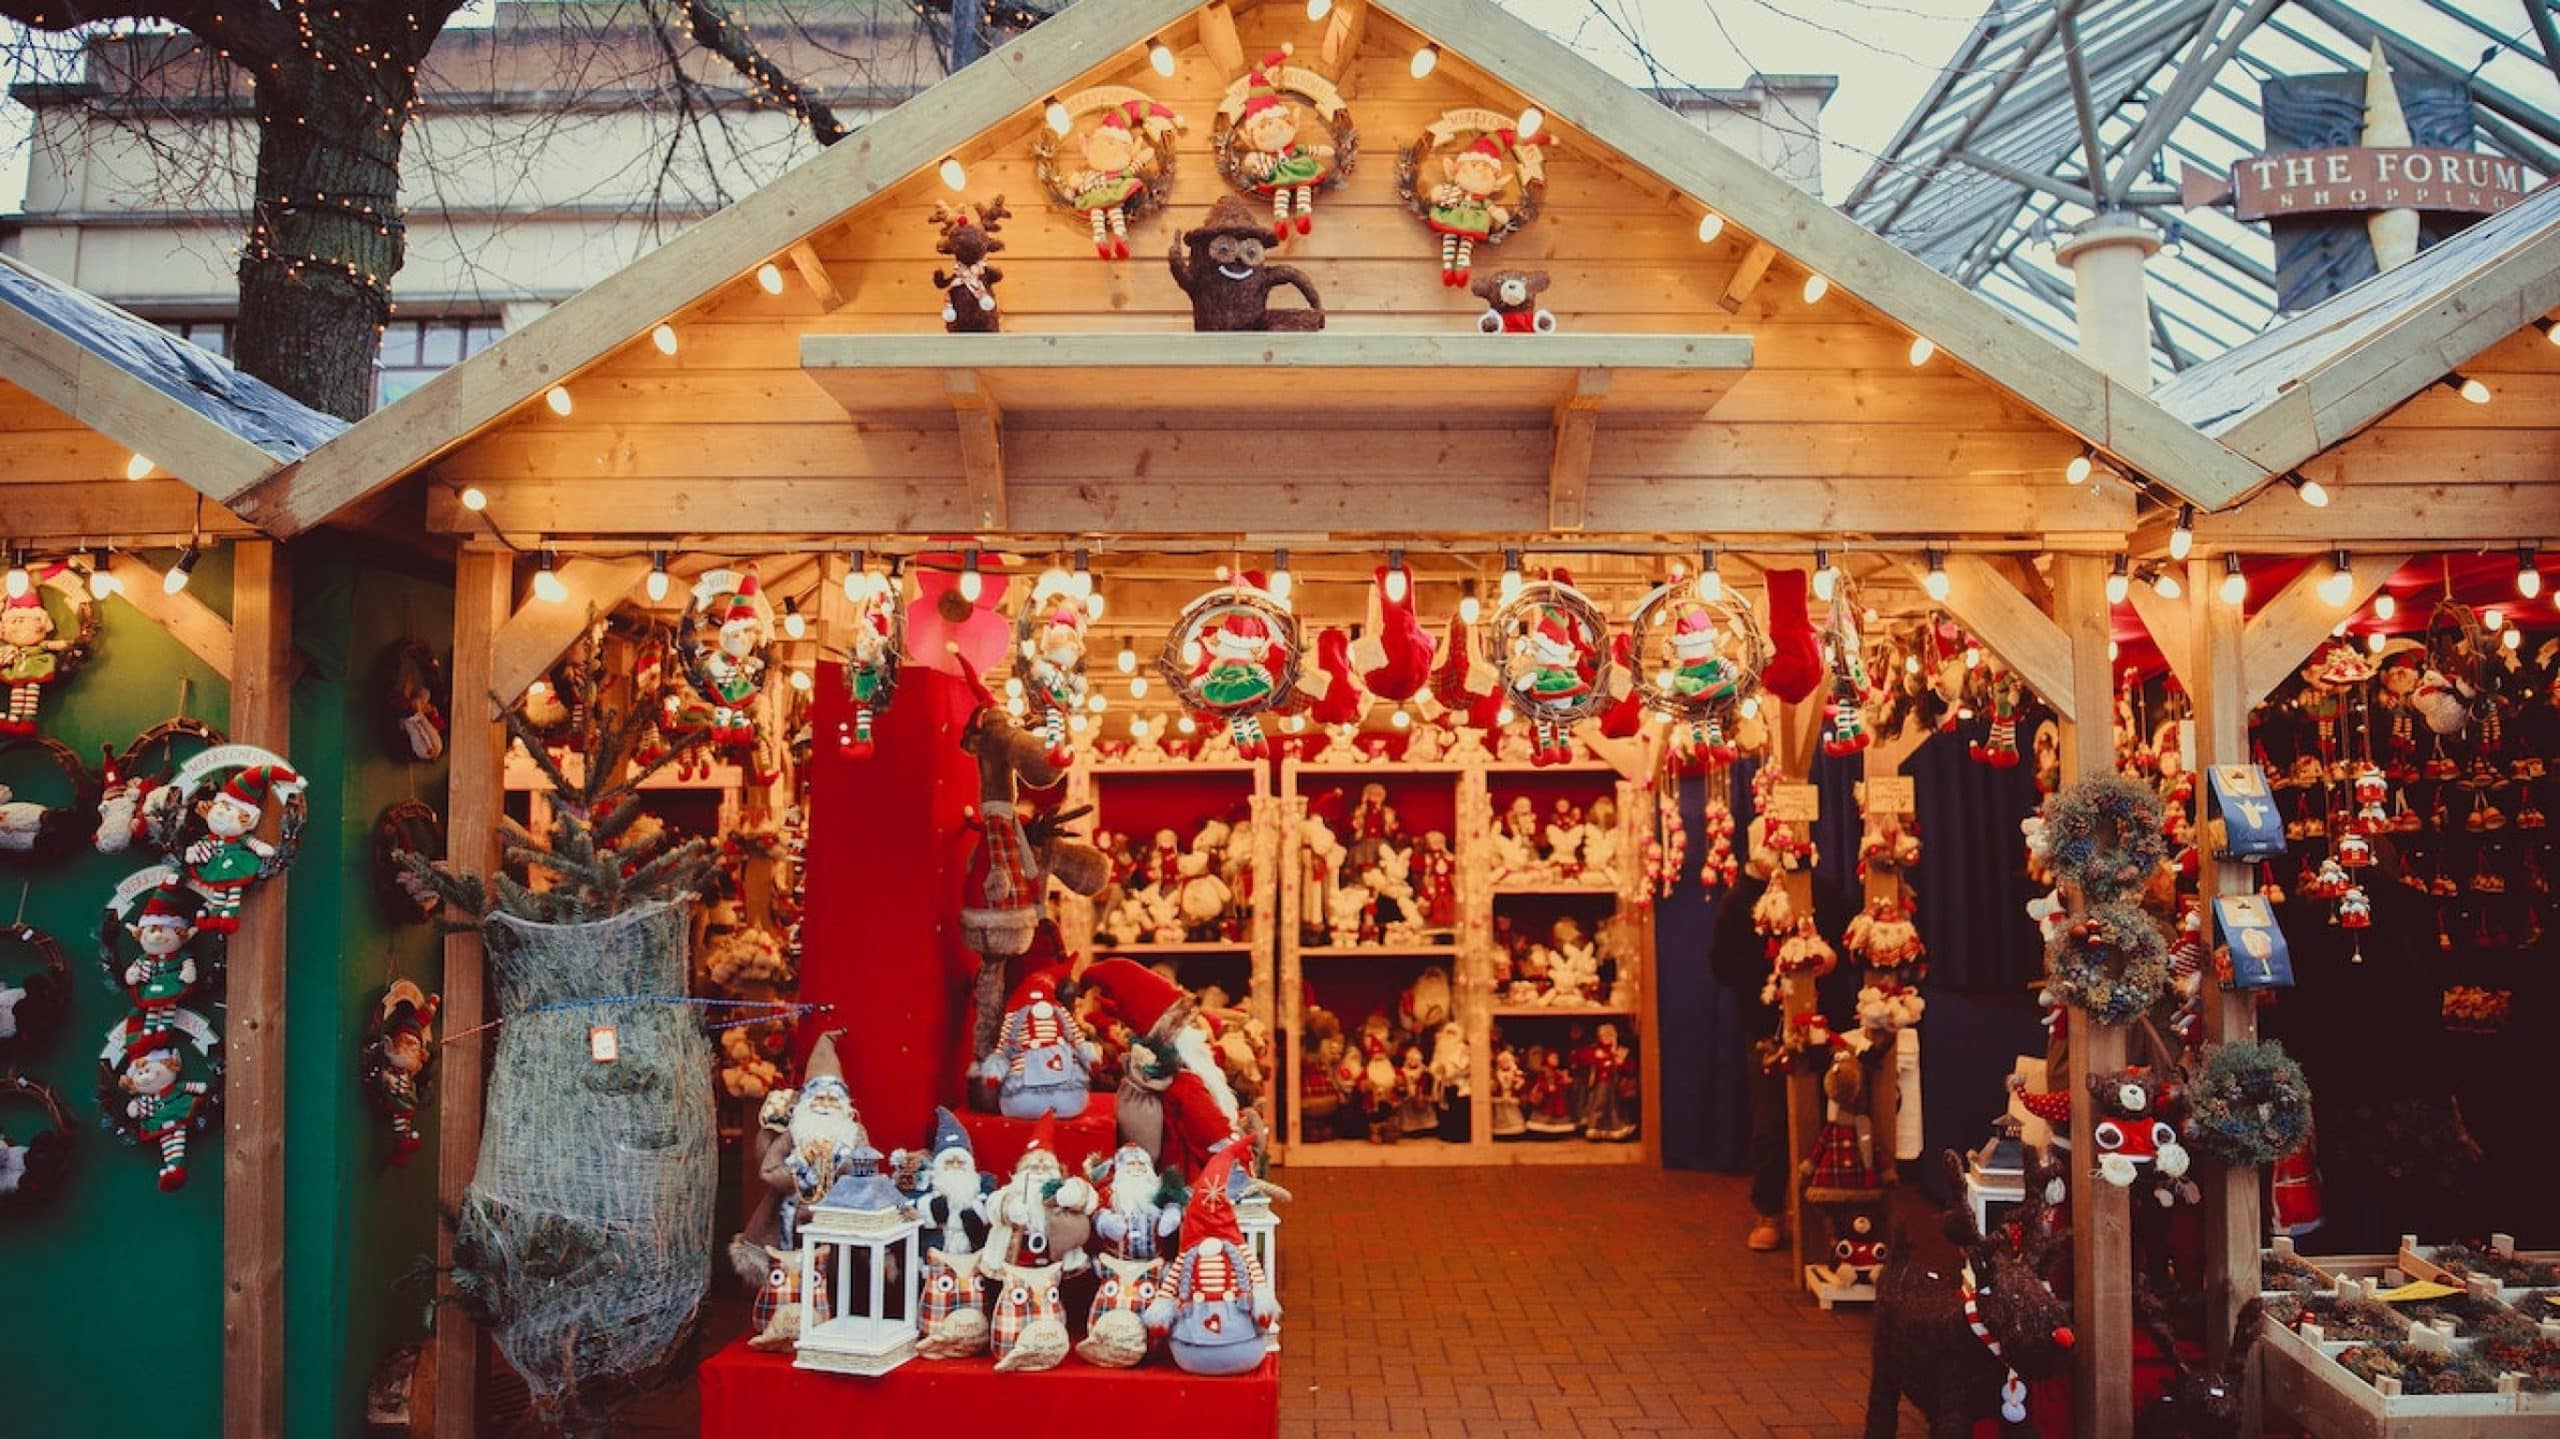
x=1623, y=718
x=1234, y=653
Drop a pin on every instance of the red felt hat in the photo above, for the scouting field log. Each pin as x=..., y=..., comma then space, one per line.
x=1211, y=1215
x=169, y=904
x=1044, y=1138
x=1261, y=91
x=1038, y=985
x=251, y=786
x=742, y=605
x=1139, y=995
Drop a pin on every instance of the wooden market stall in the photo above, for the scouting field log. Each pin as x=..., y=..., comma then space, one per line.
x=1736, y=367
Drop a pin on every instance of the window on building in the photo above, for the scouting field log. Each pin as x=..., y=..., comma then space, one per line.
x=211, y=335
x=413, y=351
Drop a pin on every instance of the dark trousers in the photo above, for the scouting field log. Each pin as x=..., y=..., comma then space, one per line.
x=1769, y=1157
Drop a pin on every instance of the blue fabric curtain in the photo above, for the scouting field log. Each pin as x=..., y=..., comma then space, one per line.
x=1971, y=881
x=1706, y=1104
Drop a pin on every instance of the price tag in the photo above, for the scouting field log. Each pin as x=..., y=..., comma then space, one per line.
x=1795, y=803
x=2252, y=828
x=603, y=1043
x=2259, y=956
x=1891, y=794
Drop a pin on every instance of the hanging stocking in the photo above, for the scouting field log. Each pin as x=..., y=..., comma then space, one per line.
x=1848, y=721
x=1624, y=718
x=1794, y=669
x=2000, y=748
x=1343, y=701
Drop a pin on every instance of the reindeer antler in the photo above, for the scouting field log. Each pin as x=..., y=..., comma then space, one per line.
x=1960, y=1228
x=992, y=215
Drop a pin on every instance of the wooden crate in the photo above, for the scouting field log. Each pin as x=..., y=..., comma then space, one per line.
x=2303, y=1377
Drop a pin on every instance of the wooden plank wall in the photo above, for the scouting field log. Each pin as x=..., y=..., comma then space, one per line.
x=63, y=482
x=1832, y=425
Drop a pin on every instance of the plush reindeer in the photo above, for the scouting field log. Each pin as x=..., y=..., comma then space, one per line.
x=969, y=286
x=2201, y=1402
x=1961, y=1346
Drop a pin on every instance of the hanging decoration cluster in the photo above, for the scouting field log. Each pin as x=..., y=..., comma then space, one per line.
x=2103, y=838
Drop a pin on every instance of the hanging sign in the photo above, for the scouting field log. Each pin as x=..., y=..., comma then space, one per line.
x=1795, y=803
x=2252, y=827
x=2259, y=958
x=1891, y=794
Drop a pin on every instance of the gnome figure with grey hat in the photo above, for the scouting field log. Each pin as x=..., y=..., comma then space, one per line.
x=952, y=1317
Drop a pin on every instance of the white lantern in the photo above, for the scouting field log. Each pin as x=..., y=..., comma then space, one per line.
x=871, y=1329
x=1261, y=1229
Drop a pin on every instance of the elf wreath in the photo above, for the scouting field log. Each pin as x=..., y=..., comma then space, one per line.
x=33, y=832
x=409, y=826
x=1257, y=142
x=2111, y=963
x=32, y=1006
x=1233, y=653
x=134, y=789
x=2106, y=836
x=1553, y=646
x=182, y=971
x=1696, y=659
x=1473, y=178
x=1049, y=639
x=1121, y=166
x=2249, y=1104
x=32, y=1168
x=34, y=655
x=145, y=1092
x=877, y=647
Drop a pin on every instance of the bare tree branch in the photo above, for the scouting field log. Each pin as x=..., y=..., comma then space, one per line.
x=250, y=33
x=716, y=30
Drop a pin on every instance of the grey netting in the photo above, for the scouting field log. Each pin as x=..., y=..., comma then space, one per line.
x=587, y=1229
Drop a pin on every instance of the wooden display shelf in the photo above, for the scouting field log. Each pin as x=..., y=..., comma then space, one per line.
x=1381, y=951
x=1579, y=1011
x=1188, y=946
x=1505, y=891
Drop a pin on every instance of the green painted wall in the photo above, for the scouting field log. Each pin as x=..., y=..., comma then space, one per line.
x=110, y=1270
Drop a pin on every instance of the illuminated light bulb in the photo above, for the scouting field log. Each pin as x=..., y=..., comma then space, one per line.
x=800, y=680
x=474, y=498
x=2467, y=387
x=1398, y=586
x=547, y=584
x=1137, y=687
x=1060, y=122
x=2384, y=606
x=1911, y=664
x=1531, y=121
x=972, y=584
x=1710, y=225
x=1283, y=584
x=1018, y=707
x=1128, y=660
x=1973, y=657
x=1093, y=605
x=1425, y=60
x=102, y=584
x=1751, y=707
x=2513, y=639
x=2528, y=574
x=557, y=397
x=1160, y=55
x=1935, y=582
x=1710, y=583
x=2550, y=331
x=2313, y=493
x=2165, y=585
x=1013, y=687
x=1318, y=9
x=1826, y=580
x=2119, y=581
x=1297, y=724
x=139, y=467
x=1923, y=349
x=19, y=581
x=1815, y=287
x=954, y=175
x=2182, y=540
x=1510, y=576
x=664, y=337
x=1400, y=719
x=2114, y=651
x=1187, y=725
x=769, y=275
x=2235, y=585
x=794, y=624
x=2374, y=642
x=1098, y=702
x=2077, y=472
x=1078, y=724
x=1137, y=726
x=2339, y=585
x=658, y=576
x=1470, y=609
x=2493, y=620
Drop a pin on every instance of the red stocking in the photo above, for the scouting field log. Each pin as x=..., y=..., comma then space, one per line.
x=1795, y=666
x=1394, y=652
x=1625, y=717
x=1342, y=702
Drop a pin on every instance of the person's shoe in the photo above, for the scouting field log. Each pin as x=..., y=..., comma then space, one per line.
x=1765, y=1236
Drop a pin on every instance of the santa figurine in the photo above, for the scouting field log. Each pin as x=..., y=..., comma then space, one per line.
x=1037, y=1224
x=161, y=978
x=1138, y=1224
x=810, y=1137
x=1373, y=817
x=1042, y=1062
x=230, y=857
x=1510, y=1121
x=1549, y=1096
x=952, y=1318
x=1435, y=882
x=1606, y=1067
x=1417, y=1095
x=1174, y=1101
x=1216, y=1308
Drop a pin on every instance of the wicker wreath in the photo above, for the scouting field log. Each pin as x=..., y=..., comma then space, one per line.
x=174, y=824
x=409, y=826
x=2111, y=963
x=32, y=832
x=1151, y=128
x=2249, y=1104
x=75, y=651
x=136, y=781
x=2106, y=835
x=1695, y=658
x=41, y=996
x=32, y=1167
x=1188, y=661
x=1523, y=190
x=1306, y=87
x=1049, y=687
x=416, y=697
x=114, y=939
x=196, y=1042
x=1515, y=630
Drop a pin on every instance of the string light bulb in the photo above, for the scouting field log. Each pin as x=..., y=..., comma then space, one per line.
x=139, y=467
x=1710, y=583
x=1097, y=702
x=2374, y=642
x=1400, y=719
x=2550, y=331
x=1935, y=581
x=1398, y=584
x=800, y=681
x=664, y=337
x=1187, y=725
x=1283, y=584
x=2513, y=639
x=2079, y=470
x=1059, y=121
x=1013, y=689
x=1128, y=660
x=1815, y=287
x=1318, y=9
x=2384, y=606
x=175, y=581
x=1137, y=687
x=474, y=498
x=2339, y=585
x=794, y=624
x=2493, y=619
x=2528, y=572
x=2465, y=386
x=1510, y=576
x=857, y=579
x=769, y=277
x=1751, y=707
x=547, y=584
x=2119, y=581
x=1470, y=609
x=1160, y=56
x=955, y=176
x=972, y=584
x=2182, y=539
x=102, y=580
x=2164, y=583
x=1923, y=349
x=2235, y=585
x=1531, y=121
x=557, y=397
x=1425, y=60
x=2310, y=491
x=1826, y=580
x=1710, y=225
x=19, y=581
x=657, y=577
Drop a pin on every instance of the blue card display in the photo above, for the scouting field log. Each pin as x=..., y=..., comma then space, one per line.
x=2252, y=827
x=2259, y=958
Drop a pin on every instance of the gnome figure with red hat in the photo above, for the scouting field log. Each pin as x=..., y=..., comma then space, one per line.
x=1037, y=1225
x=230, y=857
x=1175, y=1102
x=1216, y=1308
x=1043, y=1061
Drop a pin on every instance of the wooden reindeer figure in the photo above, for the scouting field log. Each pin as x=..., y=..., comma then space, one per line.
x=969, y=286
x=1961, y=1346
x=2202, y=1402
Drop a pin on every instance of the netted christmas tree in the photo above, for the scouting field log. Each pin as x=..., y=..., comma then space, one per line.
x=583, y=1243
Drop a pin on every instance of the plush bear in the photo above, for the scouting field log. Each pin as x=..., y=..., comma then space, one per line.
x=1229, y=284
x=1511, y=303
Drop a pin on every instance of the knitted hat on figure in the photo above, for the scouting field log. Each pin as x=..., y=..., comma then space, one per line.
x=823, y=1067
x=252, y=785
x=1044, y=1140
x=742, y=605
x=1212, y=1215
x=948, y=1134
x=1261, y=91
x=168, y=905
x=1139, y=995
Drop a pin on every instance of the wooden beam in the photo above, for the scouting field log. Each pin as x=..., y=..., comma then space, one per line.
x=114, y=510
x=1218, y=37
x=1569, y=468
x=1747, y=275
x=813, y=271
x=2101, y=1224
x=2167, y=621
x=1342, y=40
x=981, y=424
x=537, y=635
x=484, y=585
x=207, y=636
x=2028, y=641
x=2289, y=627
x=253, y=1037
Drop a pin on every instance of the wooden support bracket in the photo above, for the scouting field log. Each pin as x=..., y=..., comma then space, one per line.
x=541, y=632
x=1746, y=276
x=1569, y=471
x=2025, y=639
x=1342, y=39
x=206, y=635
x=2168, y=621
x=804, y=258
x=981, y=423
x=2287, y=628
x=1218, y=37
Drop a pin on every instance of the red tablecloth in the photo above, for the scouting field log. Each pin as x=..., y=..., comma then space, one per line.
x=997, y=1142
x=747, y=1395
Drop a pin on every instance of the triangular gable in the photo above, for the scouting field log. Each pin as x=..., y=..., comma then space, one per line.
x=1100, y=34
x=2313, y=381
x=188, y=411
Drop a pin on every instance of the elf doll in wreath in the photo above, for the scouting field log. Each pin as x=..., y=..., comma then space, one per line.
x=1464, y=211
x=161, y=1104
x=30, y=658
x=158, y=981
x=230, y=857
x=1275, y=161
x=870, y=665
x=733, y=670
x=1235, y=670
x=1118, y=152
x=396, y=1063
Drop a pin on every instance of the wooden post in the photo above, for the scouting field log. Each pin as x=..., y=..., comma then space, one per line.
x=484, y=592
x=2101, y=1226
x=2232, y=1223
x=253, y=1037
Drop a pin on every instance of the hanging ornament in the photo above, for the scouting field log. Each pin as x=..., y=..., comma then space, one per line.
x=1695, y=660
x=1262, y=146
x=1553, y=646
x=33, y=1003
x=1234, y=653
x=877, y=647
x=145, y=1094
x=1721, y=867
x=162, y=916
x=211, y=829
x=1846, y=658
x=135, y=789
x=399, y=1059
x=1474, y=180
x=32, y=1164
x=1122, y=166
x=1050, y=636
x=1999, y=746
x=418, y=696
x=409, y=826
x=723, y=642
x=34, y=654
x=32, y=831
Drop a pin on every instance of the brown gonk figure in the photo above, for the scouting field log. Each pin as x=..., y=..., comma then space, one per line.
x=1226, y=276
x=969, y=286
